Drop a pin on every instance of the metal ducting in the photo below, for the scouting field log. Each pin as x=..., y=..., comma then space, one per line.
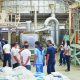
x=54, y=29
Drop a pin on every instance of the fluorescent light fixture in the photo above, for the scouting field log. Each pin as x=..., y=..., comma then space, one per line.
x=4, y=29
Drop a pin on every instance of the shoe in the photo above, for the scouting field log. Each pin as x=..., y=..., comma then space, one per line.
x=60, y=65
x=64, y=64
x=67, y=70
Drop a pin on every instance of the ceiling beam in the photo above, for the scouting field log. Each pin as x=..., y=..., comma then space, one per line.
x=69, y=2
x=75, y=5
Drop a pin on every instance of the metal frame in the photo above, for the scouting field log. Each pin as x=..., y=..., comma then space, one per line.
x=75, y=25
x=75, y=53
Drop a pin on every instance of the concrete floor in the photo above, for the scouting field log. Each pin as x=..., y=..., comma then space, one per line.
x=74, y=74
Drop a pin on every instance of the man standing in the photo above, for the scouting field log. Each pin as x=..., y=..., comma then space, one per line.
x=15, y=55
x=7, y=55
x=39, y=57
x=66, y=37
x=50, y=59
x=26, y=55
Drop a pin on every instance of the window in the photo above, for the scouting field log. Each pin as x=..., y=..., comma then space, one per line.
x=47, y=10
x=46, y=3
x=41, y=9
x=41, y=3
x=34, y=3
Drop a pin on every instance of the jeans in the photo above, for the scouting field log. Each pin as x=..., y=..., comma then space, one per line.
x=39, y=67
x=7, y=57
x=16, y=65
x=62, y=59
x=68, y=62
x=50, y=67
x=28, y=67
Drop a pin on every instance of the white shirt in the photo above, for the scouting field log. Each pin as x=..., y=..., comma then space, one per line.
x=7, y=48
x=62, y=48
x=15, y=52
x=25, y=54
x=68, y=50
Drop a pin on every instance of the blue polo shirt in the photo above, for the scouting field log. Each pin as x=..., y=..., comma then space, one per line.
x=51, y=51
x=40, y=56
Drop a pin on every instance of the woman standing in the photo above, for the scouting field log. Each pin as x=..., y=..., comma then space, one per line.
x=67, y=55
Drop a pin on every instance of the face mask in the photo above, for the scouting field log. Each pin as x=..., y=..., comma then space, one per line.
x=36, y=46
x=26, y=46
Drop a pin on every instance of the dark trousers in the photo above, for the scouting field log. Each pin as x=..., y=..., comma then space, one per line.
x=62, y=59
x=7, y=57
x=28, y=67
x=68, y=62
x=16, y=65
x=50, y=67
x=1, y=56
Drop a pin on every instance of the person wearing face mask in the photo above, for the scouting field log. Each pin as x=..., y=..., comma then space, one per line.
x=25, y=56
x=23, y=46
x=39, y=57
x=15, y=56
x=50, y=57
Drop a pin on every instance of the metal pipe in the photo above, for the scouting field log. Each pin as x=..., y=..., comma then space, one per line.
x=9, y=37
x=70, y=20
x=35, y=18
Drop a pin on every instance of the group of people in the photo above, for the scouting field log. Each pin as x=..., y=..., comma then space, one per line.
x=65, y=52
x=14, y=56
x=40, y=56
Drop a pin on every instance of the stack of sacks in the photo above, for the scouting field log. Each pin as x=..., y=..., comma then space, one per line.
x=6, y=73
x=19, y=73
x=56, y=76
x=39, y=75
x=49, y=77
x=23, y=74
